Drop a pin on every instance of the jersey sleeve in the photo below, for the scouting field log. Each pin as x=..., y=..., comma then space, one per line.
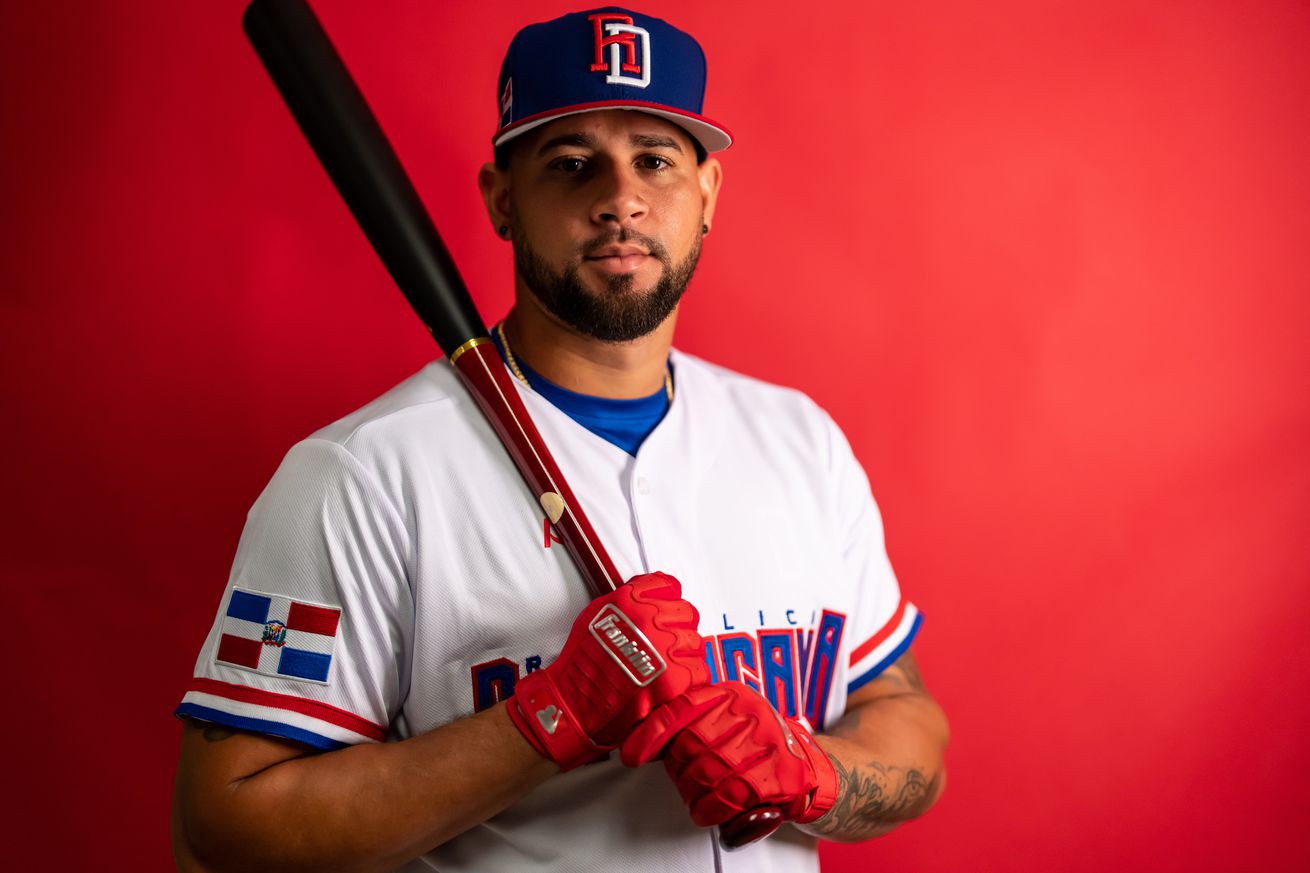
x=314, y=630
x=883, y=623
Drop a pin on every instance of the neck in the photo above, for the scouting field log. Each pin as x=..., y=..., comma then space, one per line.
x=585, y=364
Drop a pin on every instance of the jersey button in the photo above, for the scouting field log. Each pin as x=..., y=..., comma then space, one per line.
x=643, y=486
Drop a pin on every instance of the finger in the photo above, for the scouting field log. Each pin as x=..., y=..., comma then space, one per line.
x=675, y=614
x=722, y=790
x=710, y=750
x=655, y=586
x=648, y=741
x=725, y=803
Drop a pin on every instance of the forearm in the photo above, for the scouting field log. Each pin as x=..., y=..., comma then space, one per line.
x=367, y=807
x=888, y=754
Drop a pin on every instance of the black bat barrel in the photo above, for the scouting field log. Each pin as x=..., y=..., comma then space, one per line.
x=346, y=136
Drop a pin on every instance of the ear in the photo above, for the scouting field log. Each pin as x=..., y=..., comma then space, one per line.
x=711, y=177
x=494, y=185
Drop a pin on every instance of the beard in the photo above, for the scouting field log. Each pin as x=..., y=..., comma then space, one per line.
x=620, y=313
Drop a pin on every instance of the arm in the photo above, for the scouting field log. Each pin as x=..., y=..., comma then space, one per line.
x=888, y=753
x=242, y=798
x=728, y=751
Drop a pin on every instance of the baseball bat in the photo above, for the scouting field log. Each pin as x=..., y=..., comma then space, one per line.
x=350, y=144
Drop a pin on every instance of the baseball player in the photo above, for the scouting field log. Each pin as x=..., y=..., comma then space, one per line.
x=405, y=671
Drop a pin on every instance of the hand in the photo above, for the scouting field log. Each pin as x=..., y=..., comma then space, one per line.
x=628, y=652
x=729, y=751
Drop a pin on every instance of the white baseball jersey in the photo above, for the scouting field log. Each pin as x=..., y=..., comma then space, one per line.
x=397, y=574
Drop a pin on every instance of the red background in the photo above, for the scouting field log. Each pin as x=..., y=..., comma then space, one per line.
x=1046, y=262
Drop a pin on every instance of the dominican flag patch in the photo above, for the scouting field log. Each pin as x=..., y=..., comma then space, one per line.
x=278, y=636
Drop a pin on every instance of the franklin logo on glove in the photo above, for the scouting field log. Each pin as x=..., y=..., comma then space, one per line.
x=621, y=640
x=628, y=652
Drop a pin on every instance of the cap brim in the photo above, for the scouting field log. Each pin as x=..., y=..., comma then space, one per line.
x=712, y=136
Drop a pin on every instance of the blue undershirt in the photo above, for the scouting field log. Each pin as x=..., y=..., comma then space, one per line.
x=625, y=423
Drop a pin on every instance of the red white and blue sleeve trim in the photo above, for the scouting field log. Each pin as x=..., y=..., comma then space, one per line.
x=311, y=722
x=881, y=650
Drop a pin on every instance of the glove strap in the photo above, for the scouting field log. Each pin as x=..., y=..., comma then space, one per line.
x=538, y=711
x=824, y=796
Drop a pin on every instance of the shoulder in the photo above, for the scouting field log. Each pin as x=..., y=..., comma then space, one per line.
x=428, y=420
x=429, y=410
x=756, y=405
x=432, y=392
x=738, y=388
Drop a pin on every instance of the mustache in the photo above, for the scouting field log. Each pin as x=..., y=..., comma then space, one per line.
x=625, y=235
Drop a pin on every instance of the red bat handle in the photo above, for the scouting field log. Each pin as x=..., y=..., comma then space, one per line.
x=483, y=373
x=749, y=827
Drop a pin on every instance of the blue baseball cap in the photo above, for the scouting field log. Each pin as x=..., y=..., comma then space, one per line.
x=607, y=58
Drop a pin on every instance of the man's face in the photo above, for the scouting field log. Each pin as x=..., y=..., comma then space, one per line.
x=606, y=210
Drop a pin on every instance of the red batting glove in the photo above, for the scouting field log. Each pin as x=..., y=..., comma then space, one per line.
x=729, y=751
x=628, y=652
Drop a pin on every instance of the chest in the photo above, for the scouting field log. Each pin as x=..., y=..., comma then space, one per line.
x=751, y=537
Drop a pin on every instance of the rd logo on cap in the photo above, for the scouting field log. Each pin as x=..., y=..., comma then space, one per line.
x=619, y=33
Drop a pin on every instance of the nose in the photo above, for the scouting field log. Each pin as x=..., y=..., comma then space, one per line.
x=619, y=198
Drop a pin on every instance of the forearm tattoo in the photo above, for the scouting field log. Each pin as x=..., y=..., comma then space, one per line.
x=910, y=667
x=904, y=673
x=872, y=796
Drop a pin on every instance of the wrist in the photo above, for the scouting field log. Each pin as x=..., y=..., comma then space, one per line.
x=827, y=785
x=539, y=712
x=512, y=746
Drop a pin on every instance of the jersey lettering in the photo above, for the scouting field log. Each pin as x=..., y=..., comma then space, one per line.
x=739, y=661
x=805, y=647
x=713, y=660
x=823, y=663
x=792, y=667
x=778, y=670
x=493, y=681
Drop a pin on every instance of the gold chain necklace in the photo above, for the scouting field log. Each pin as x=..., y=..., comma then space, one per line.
x=514, y=364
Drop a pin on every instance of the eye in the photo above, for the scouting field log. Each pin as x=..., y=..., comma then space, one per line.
x=569, y=164
x=654, y=162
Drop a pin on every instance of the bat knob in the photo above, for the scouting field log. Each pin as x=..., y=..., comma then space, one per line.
x=749, y=827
